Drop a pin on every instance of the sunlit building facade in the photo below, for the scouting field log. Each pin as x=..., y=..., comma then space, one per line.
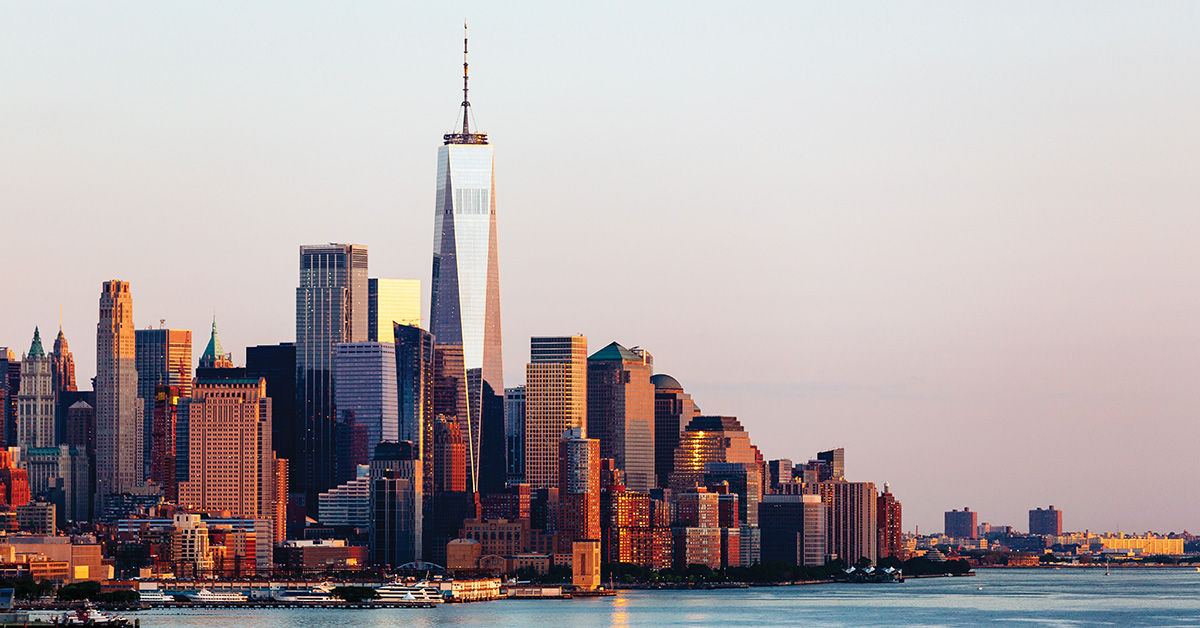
x=391, y=302
x=119, y=429
x=555, y=401
x=36, y=397
x=620, y=412
x=162, y=357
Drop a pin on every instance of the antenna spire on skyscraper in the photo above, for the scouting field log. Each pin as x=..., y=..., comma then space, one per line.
x=466, y=136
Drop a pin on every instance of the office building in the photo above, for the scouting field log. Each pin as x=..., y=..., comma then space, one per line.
x=555, y=401
x=163, y=357
x=331, y=308
x=578, y=487
x=348, y=504
x=119, y=420
x=779, y=473
x=229, y=462
x=277, y=365
x=514, y=433
x=63, y=365
x=391, y=302
x=10, y=385
x=793, y=529
x=36, y=399
x=449, y=457
x=1045, y=522
x=414, y=392
x=835, y=459
x=396, y=505
x=61, y=475
x=962, y=524
x=163, y=424
x=365, y=389
x=673, y=410
x=620, y=412
x=711, y=439
x=465, y=292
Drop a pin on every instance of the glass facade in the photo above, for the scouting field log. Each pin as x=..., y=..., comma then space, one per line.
x=365, y=389
x=391, y=301
x=465, y=295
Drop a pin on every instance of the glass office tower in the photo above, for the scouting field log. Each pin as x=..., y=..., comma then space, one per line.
x=465, y=304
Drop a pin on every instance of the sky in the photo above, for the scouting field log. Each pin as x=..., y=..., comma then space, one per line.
x=957, y=239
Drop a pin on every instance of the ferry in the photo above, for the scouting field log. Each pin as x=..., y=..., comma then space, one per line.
x=155, y=596
x=417, y=593
x=208, y=597
x=316, y=595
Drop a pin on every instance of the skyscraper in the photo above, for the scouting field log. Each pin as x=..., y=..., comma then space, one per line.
x=465, y=293
x=162, y=437
x=620, y=402
x=213, y=356
x=578, y=487
x=391, y=301
x=962, y=524
x=277, y=365
x=514, y=433
x=673, y=410
x=414, y=393
x=396, y=504
x=162, y=357
x=851, y=521
x=331, y=307
x=711, y=439
x=889, y=525
x=365, y=389
x=10, y=385
x=63, y=364
x=793, y=529
x=36, y=397
x=555, y=401
x=229, y=459
x=118, y=410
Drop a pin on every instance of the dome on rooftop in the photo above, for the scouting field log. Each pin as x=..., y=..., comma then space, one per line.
x=662, y=381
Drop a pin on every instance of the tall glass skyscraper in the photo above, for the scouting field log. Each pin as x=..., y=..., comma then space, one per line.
x=331, y=307
x=465, y=304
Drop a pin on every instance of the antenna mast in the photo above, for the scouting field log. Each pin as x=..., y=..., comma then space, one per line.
x=466, y=136
x=466, y=104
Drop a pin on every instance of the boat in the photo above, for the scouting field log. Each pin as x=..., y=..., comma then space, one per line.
x=416, y=593
x=208, y=597
x=315, y=595
x=155, y=596
x=88, y=616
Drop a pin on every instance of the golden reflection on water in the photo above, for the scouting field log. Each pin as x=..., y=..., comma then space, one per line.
x=620, y=616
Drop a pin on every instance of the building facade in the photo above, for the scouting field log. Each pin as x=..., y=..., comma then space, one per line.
x=1045, y=522
x=851, y=520
x=578, y=488
x=514, y=433
x=365, y=389
x=414, y=392
x=962, y=524
x=36, y=398
x=331, y=308
x=620, y=412
x=119, y=425
x=890, y=526
x=555, y=401
x=396, y=505
x=673, y=410
x=391, y=302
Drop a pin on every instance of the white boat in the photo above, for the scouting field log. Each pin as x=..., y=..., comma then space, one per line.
x=89, y=616
x=415, y=593
x=206, y=596
x=314, y=595
x=154, y=596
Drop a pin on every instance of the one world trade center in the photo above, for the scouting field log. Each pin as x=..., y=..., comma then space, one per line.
x=465, y=305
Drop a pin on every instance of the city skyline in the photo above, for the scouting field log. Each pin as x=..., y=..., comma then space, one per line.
x=1048, y=302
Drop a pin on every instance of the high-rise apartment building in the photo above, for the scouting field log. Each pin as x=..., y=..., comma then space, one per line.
x=36, y=399
x=962, y=524
x=163, y=357
x=673, y=410
x=578, y=487
x=889, y=526
x=391, y=302
x=364, y=375
x=331, y=307
x=465, y=292
x=230, y=464
x=1045, y=522
x=555, y=401
x=620, y=412
x=850, y=523
x=697, y=535
x=514, y=433
x=414, y=393
x=119, y=425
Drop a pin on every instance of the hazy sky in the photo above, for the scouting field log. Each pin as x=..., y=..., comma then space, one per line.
x=958, y=239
